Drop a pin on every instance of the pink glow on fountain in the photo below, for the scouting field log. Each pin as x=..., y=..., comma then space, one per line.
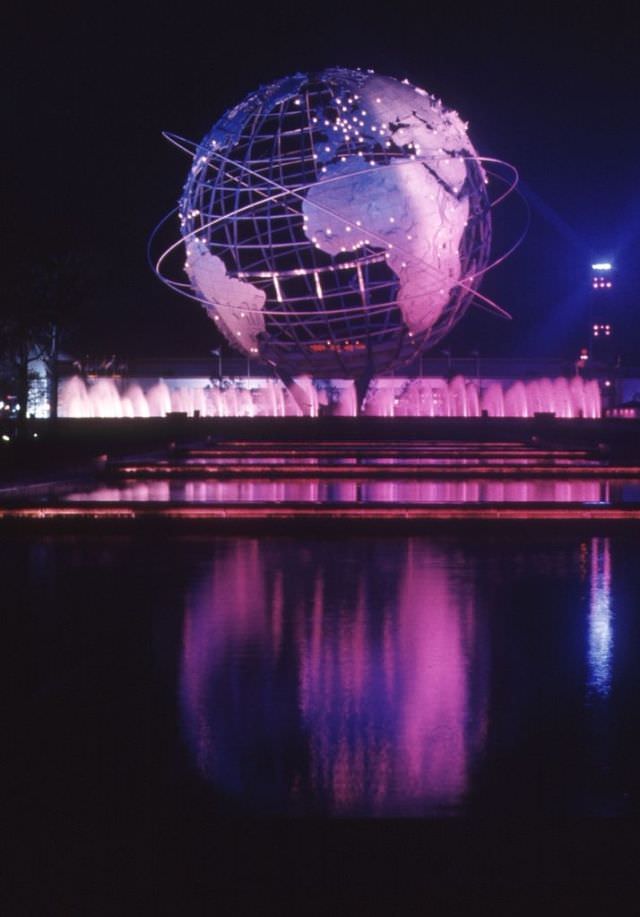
x=158, y=400
x=432, y=397
x=458, y=402
x=516, y=403
x=493, y=400
x=386, y=397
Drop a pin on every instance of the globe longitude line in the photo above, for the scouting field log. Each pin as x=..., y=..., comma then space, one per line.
x=248, y=141
x=310, y=140
x=277, y=141
x=284, y=303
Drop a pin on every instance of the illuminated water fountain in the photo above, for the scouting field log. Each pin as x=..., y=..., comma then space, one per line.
x=387, y=397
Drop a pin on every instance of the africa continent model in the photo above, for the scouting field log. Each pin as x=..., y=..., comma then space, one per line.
x=335, y=224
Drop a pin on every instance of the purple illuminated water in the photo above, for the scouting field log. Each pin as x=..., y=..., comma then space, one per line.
x=177, y=685
x=382, y=686
x=366, y=684
x=396, y=397
x=361, y=492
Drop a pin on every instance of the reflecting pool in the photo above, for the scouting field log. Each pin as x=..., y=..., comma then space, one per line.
x=436, y=676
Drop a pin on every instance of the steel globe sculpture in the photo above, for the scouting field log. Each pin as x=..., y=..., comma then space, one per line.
x=334, y=224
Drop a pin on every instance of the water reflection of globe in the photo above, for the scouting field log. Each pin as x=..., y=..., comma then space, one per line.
x=335, y=223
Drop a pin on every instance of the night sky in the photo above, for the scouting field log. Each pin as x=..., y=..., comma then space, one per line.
x=554, y=92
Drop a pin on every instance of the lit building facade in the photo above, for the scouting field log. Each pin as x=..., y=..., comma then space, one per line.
x=601, y=347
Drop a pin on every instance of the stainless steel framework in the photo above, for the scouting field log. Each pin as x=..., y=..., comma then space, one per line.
x=245, y=208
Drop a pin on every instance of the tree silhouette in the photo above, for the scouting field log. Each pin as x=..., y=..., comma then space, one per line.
x=38, y=314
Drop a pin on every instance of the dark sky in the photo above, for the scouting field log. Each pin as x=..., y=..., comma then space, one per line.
x=89, y=90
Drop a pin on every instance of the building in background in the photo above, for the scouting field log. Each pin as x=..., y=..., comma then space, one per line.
x=601, y=312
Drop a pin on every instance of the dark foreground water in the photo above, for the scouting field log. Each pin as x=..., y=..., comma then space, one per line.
x=230, y=716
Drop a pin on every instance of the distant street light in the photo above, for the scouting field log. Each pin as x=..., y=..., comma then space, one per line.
x=581, y=362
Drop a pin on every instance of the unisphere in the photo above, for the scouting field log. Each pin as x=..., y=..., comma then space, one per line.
x=335, y=224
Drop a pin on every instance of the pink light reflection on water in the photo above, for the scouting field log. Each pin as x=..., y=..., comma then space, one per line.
x=418, y=754
x=379, y=664
x=601, y=618
x=351, y=491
